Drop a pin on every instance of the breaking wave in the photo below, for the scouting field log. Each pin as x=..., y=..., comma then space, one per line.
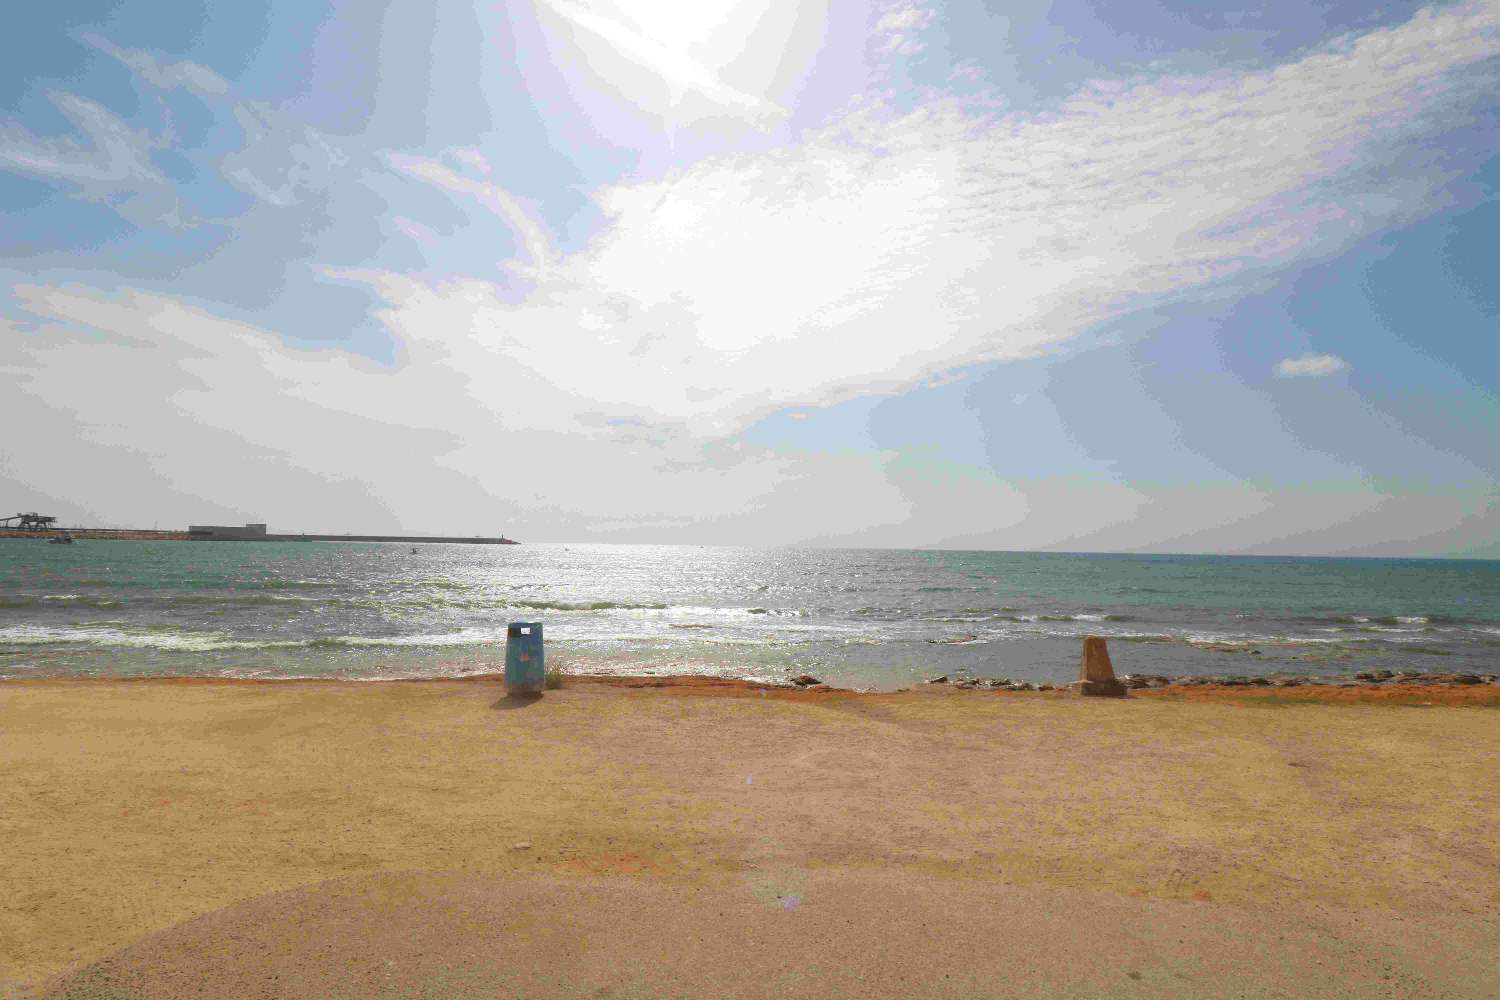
x=166, y=639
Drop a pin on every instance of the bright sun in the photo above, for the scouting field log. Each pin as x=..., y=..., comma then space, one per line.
x=717, y=58
x=688, y=29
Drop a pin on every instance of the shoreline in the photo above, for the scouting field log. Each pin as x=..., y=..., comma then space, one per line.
x=1252, y=690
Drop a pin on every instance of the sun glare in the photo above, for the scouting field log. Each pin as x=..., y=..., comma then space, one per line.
x=693, y=30
x=718, y=60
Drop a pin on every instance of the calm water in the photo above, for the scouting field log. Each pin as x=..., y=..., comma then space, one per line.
x=859, y=618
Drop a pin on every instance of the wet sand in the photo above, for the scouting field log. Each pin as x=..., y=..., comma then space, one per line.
x=648, y=837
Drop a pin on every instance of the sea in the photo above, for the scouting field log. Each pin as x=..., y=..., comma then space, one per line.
x=859, y=618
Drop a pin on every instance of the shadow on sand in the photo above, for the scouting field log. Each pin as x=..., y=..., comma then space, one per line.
x=517, y=700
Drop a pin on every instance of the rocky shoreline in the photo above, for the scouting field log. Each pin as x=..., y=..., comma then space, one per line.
x=1364, y=678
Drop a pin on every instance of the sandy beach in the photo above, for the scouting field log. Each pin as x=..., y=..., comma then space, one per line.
x=694, y=837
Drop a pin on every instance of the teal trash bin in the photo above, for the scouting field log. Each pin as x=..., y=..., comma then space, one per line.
x=525, y=670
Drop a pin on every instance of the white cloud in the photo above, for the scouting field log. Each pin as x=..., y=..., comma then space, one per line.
x=209, y=415
x=225, y=411
x=900, y=24
x=884, y=250
x=1311, y=365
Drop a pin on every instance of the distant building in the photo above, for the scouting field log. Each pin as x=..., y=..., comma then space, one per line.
x=220, y=532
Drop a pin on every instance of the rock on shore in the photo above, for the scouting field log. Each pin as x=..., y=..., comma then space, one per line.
x=1364, y=678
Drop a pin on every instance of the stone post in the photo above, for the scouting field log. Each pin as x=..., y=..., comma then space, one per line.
x=1096, y=675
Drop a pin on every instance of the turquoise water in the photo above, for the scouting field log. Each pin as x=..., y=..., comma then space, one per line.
x=859, y=618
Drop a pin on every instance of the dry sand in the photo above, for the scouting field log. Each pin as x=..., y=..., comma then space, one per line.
x=229, y=839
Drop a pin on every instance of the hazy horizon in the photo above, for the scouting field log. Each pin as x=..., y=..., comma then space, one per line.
x=668, y=543
x=1180, y=278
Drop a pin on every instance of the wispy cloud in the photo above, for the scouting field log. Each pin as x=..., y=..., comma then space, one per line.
x=531, y=235
x=472, y=159
x=1313, y=365
x=164, y=74
x=112, y=164
x=282, y=160
x=414, y=230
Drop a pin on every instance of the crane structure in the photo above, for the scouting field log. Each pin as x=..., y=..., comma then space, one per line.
x=29, y=522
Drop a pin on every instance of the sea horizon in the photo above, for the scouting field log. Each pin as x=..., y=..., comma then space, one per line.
x=810, y=545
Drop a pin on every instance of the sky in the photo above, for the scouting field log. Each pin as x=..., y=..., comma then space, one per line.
x=1164, y=276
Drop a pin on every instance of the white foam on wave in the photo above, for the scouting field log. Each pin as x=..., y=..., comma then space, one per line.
x=196, y=642
x=463, y=637
x=119, y=635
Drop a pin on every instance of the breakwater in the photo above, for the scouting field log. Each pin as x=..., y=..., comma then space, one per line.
x=256, y=532
x=154, y=535
x=404, y=539
x=117, y=534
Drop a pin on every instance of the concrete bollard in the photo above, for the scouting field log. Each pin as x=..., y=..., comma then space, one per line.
x=1096, y=675
x=525, y=667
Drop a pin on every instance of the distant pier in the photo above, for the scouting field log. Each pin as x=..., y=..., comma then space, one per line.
x=414, y=539
x=258, y=533
x=46, y=527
